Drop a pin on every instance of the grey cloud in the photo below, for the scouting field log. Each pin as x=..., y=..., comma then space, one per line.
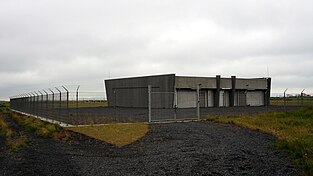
x=47, y=43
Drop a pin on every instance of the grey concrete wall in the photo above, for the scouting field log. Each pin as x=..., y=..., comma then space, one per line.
x=250, y=84
x=192, y=82
x=226, y=83
x=133, y=92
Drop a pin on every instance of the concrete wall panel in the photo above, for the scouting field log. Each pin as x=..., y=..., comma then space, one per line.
x=192, y=82
x=258, y=83
x=226, y=83
x=133, y=92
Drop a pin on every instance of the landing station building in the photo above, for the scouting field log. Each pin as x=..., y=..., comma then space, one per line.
x=180, y=91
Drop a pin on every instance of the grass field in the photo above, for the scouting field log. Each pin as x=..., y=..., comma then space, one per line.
x=293, y=129
x=292, y=101
x=116, y=134
x=87, y=104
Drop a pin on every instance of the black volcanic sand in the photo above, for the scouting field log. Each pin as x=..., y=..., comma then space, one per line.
x=194, y=148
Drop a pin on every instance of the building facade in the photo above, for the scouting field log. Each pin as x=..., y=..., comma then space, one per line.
x=180, y=91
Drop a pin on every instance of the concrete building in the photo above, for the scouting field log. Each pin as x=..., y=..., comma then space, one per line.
x=170, y=90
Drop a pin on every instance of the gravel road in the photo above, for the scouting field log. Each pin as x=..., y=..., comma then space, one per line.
x=193, y=148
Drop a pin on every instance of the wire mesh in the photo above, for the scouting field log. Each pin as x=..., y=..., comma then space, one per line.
x=164, y=107
x=77, y=105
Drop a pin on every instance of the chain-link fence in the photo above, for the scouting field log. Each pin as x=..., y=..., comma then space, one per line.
x=77, y=105
x=292, y=101
x=70, y=104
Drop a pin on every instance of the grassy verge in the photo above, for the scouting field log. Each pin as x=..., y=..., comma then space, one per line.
x=116, y=134
x=4, y=107
x=13, y=140
x=293, y=129
x=87, y=103
x=40, y=128
x=292, y=101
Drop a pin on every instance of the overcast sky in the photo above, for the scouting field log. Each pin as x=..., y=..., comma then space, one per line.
x=46, y=43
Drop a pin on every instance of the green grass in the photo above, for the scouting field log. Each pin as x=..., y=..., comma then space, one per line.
x=39, y=127
x=87, y=104
x=13, y=140
x=116, y=134
x=17, y=142
x=294, y=101
x=4, y=107
x=293, y=129
x=5, y=130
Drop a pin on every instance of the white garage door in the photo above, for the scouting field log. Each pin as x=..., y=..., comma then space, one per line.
x=224, y=98
x=186, y=99
x=210, y=98
x=255, y=98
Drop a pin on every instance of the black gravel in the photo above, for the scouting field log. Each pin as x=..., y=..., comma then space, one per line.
x=193, y=148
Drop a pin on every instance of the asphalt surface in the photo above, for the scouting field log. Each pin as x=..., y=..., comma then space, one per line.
x=193, y=148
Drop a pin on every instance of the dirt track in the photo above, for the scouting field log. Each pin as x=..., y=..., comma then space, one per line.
x=194, y=148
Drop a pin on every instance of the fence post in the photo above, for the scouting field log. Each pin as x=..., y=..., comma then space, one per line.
x=60, y=97
x=149, y=102
x=266, y=101
x=77, y=99
x=52, y=98
x=41, y=102
x=33, y=103
x=47, y=103
x=302, y=97
x=175, y=104
x=77, y=96
x=47, y=98
x=60, y=116
x=67, y=96
x=285, y=99
x=198, y=101
x=30, y=101
x=37, y=102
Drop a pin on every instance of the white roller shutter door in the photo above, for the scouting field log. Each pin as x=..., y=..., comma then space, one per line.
x=186, y=99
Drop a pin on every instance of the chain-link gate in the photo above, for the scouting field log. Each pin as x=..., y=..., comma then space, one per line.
x=163, y=106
